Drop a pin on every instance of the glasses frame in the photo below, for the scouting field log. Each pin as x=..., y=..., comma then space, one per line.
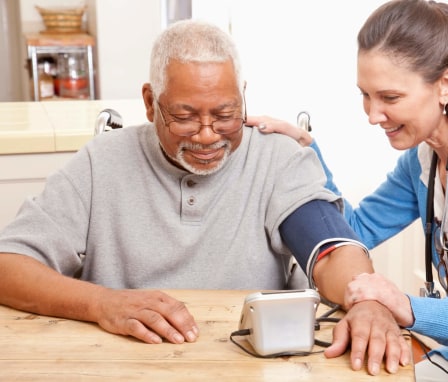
x=201, y=125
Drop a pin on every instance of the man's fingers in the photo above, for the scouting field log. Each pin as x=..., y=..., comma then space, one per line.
x=341, y=340
x=172, y=320
x=136, y=329
x=406, y=352
x=150, y=316
x=376, y=335
x=342, y=336
x=360, y=343
x=376, y=349
x=398, y=353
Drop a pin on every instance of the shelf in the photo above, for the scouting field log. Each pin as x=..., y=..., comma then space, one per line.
x=55, y=45
x=59, y=40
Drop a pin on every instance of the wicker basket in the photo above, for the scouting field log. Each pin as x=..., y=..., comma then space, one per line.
x=62, y=20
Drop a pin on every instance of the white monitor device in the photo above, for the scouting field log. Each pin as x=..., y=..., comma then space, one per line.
x=280, y=321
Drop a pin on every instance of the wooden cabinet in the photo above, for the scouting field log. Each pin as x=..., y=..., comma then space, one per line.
x=58, y=46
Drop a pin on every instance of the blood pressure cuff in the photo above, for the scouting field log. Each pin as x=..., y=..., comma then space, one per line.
x=313, y=228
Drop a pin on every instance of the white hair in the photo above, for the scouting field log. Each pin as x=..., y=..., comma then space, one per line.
x=191, y=41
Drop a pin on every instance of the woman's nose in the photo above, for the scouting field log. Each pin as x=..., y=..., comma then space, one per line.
x=376, y=113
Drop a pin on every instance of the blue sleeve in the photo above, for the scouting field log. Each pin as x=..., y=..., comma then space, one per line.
x=390, y=208
x=430, y=317
x=310, y=224
x=330, y=185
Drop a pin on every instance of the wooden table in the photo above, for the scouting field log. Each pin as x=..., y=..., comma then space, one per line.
x=38, y=348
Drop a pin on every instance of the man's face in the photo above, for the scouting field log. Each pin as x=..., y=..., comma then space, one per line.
x=204, y=93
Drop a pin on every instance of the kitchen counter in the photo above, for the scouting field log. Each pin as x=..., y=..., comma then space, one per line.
x=58, y=126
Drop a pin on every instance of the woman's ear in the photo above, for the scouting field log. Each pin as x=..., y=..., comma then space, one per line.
x=148, y=99
x=444, y=87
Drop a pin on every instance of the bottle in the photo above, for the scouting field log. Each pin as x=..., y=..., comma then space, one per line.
x=51, y=69
x=45, y=83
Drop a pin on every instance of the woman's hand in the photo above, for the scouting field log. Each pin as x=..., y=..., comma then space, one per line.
x=268, y=125
x=376, y=287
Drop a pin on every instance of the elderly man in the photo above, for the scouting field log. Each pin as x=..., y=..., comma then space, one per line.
x=193, y=199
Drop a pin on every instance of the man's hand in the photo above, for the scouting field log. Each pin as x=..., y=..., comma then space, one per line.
x=147, y=315
x=371, y=328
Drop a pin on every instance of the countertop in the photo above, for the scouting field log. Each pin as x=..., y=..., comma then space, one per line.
x=58, y=126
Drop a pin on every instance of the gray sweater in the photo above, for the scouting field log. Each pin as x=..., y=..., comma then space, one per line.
x=119, y=214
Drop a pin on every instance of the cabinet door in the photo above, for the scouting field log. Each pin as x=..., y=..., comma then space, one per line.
x=22, y=176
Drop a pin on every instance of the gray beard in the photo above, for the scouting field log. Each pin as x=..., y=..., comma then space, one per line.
x=180, y=160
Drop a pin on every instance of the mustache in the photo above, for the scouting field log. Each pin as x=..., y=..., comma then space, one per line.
x=199, y=146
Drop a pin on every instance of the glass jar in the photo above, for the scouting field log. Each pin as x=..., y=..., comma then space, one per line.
x=72, y=76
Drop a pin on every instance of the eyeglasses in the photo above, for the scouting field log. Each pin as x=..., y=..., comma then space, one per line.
x=187, y=127
x=441, y=246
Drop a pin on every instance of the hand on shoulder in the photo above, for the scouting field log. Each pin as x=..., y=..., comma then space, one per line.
x=268, y=125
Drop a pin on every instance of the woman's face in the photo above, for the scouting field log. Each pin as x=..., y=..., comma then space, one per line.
x=399, y=100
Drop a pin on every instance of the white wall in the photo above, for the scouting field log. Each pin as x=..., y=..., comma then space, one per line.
x=301, y=55
x=124, y=31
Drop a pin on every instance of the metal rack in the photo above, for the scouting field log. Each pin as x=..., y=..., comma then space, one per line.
x=46, y=44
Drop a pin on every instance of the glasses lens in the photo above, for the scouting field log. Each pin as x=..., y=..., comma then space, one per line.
x=189, y=128
x=228, y=126
x=184, y=129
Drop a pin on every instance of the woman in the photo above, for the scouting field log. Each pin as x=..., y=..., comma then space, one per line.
x=403, y=78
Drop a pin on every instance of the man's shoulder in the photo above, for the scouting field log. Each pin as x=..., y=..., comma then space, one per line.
x=116, y=144
x=120, y=137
